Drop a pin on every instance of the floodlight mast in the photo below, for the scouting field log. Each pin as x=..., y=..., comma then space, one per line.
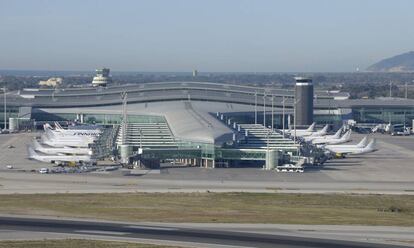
x=255, y=107
x=273, y=111
x=124, y=96
x=140, y=138
x=264, y=109
x=294, y=117
x=406, y=90
x=390, y=89
x=283, y=116
x=5, y=107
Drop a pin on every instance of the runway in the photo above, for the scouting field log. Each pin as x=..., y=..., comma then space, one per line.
x=109, y=230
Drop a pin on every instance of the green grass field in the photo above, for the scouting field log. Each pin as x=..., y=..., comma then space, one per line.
x=72, y=243
x=395, y=210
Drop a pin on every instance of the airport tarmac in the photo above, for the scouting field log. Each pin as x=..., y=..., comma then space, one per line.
x=393, y=162
x=13, y=151
x=389, y=170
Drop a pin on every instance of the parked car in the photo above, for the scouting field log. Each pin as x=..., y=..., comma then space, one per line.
x=44, y=171
x=403, y=131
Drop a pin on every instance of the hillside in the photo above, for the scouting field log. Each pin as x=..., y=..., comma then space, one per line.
x=400, y=63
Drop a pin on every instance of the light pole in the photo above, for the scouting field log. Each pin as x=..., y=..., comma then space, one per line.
x=267, y=142
x=267, y=151
x=404, y=119
x=390, y=89
x=255, y=107
x=406, y=90
x=294, y=115
x=273, y=113
x=294, y=118
x=5, y=106
x=124, y=96
x=283, y=116
x=140, y=139
x=264, y=109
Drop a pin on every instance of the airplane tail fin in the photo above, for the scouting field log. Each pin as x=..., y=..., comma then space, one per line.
x=36, y=144
x=371, y=145
x=346, y=136
x=337, y=135
x=311, y=127
x=47, y=134
x=58, y=126
x=32, y=153
x=50, y=133
x=363, y=142
x=324, y=130
x=47, y=126
x=44, y=138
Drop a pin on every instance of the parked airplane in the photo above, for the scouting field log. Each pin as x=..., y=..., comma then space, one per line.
x=69, y=136
x=50, y=140
x=306, y=133
x=342, y=151
x=361, y=144
x=332, y=139
x=337, y=135
x=90, y=133
x=321, y=132
x=61, y=150
x=300, y=132
x=59, y=159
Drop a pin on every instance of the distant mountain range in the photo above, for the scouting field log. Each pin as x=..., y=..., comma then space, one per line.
x=400, y=63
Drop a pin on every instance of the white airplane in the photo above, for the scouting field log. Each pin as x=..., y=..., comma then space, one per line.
x=61, y=150
x=50, y=140
x=342, y=151
x=306, y=133
x=54, y=135
x=333, y=139
x=59, y=159
x=337, y=135
x=89, y=133
x=319, y=133
x=300, y=132
x=84, y=131
x=361, y=144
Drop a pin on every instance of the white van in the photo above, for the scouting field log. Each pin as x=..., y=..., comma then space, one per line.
x=44, y=171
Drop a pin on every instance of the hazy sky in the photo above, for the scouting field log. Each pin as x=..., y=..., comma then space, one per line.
x=210, y=35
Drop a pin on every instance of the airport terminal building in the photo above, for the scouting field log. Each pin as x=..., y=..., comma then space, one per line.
x=205, y=123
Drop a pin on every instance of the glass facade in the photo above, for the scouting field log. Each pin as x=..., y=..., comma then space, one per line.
x=105, y=119
x=383, y=115
x=207, y=149
x=328, y=119
x=278, y=119
x=360, y=115
x=11, y=112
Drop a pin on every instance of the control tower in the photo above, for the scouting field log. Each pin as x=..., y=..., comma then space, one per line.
x=304, y=101
x=102, y=78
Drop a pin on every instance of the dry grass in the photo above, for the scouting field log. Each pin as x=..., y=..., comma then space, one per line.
x=72, y=243
x=395, y=210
